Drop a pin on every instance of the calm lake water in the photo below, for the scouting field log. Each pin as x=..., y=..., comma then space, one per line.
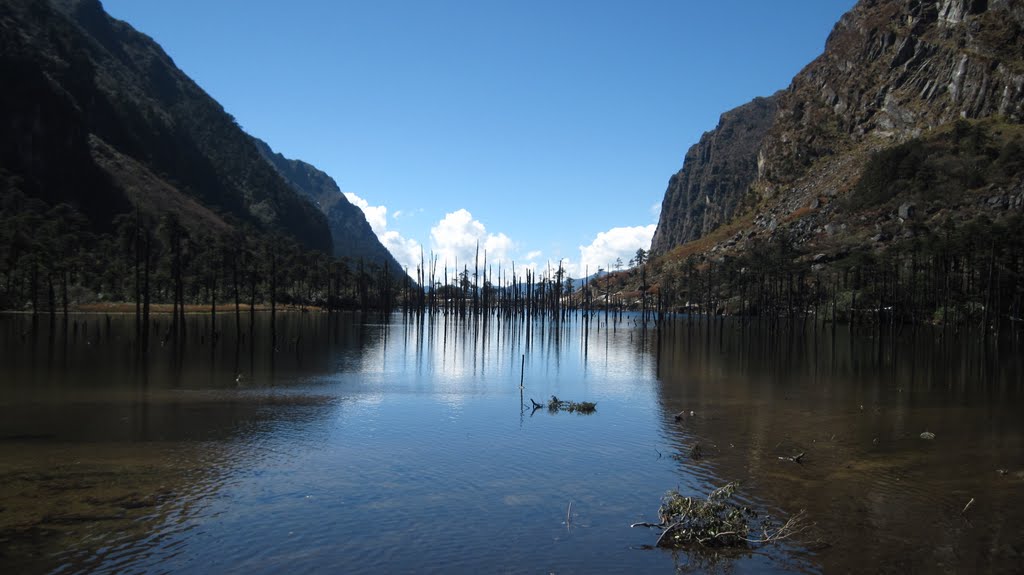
x=369, y=444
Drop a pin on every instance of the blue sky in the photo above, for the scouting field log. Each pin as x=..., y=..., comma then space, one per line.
x=544, y=129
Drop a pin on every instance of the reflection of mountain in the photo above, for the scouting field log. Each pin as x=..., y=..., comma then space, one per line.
x=53, y=361
x=878, y=492
x=103, y=463
x=83, y=481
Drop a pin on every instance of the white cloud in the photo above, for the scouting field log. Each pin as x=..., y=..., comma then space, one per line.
x=405, y=250
x=377, y=216
x=453, y=239
x=614, y=243
x=456, y=236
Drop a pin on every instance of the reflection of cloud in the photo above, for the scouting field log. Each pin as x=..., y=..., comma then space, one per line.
x=615, y=243
x=406, y=251
x=456, y=236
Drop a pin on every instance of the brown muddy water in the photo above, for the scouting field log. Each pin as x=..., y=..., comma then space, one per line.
x=368, y=444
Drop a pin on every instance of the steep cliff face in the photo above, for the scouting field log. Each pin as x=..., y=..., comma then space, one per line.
x=351, y=235
x=82, y=89
x=716, y=175
x=892, y=70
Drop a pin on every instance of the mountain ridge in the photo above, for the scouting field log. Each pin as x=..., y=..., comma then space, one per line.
x=351, y=234
x=891, y=71
x=89, y=78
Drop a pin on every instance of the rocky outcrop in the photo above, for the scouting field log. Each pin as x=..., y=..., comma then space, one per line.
x=716, y=175
x=891, y=70
x=351, y=235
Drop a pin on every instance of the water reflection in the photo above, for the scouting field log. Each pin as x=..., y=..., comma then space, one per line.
x=369, y=443
x=884, y=498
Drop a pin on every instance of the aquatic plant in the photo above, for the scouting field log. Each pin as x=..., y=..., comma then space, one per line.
x=584, y=407
x=716, y=522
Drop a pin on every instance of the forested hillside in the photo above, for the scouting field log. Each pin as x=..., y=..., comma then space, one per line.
x=121, y=179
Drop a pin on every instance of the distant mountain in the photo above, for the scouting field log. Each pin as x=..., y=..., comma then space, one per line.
x=351, y=235
x=908, y=123
x=579, y=283
x=96, y=115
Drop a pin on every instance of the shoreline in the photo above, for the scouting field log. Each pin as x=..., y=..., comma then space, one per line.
x=162, y=309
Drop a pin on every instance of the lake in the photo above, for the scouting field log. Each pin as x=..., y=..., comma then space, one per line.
x=404, y=444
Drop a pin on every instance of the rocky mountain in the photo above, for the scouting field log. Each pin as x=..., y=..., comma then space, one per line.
x=96, y=115
x=933, y=75
x=351, y=235
x=716, y=175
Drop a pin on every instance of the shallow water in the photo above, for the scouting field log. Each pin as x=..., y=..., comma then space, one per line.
x=393, y=444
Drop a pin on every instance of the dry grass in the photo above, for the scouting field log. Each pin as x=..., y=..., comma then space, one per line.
x=704, y=244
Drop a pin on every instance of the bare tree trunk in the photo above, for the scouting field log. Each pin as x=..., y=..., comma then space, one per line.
x=145, y=292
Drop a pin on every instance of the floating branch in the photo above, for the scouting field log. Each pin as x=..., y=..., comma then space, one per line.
x=795, y=458
x=682, y=414
x=715, y=522
x=555, y=405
